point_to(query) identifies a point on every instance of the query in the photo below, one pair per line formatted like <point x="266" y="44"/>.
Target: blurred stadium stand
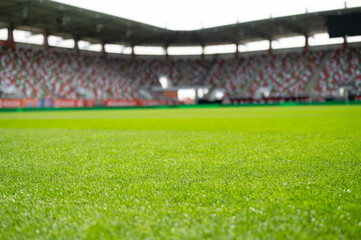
<point x="38" y="72"/>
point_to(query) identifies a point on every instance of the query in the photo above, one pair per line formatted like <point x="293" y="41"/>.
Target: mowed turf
<point x="220" y="173"/>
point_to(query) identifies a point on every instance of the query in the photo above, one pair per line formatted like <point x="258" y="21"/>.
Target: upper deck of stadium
<point x="69" y="22"/>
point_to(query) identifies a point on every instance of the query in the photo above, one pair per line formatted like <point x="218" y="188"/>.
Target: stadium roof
<point x="73" y="22"/>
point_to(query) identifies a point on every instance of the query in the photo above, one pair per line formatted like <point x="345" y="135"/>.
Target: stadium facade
<point x="44" y="76"/>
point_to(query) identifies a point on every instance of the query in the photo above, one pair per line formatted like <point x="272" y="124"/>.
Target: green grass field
<point x="217" y="173"/>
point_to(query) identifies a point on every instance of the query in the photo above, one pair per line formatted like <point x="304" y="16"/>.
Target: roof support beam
<point x="202" y="54"/>
<point x="236" y="52"/>
<point x="305" y="49"/>
<point x="11" y="37"/>
<point x="46" y="42"/>
<point x="76" y="45"/>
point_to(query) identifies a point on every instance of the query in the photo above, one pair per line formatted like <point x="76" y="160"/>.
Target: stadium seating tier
<point x="62" y="73"/>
